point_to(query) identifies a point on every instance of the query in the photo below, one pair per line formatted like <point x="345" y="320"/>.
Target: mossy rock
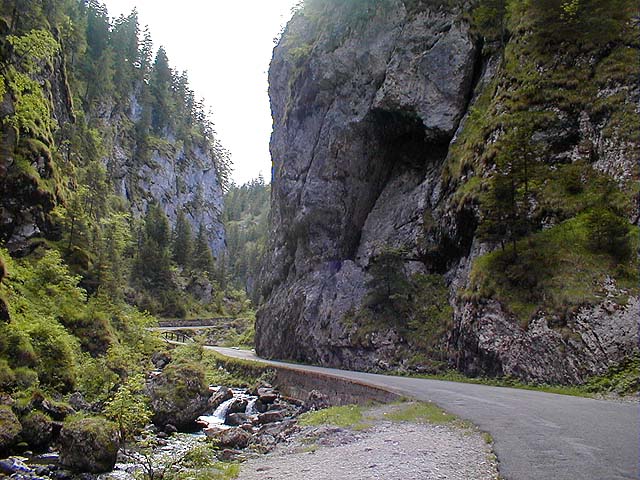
<point x="179" y="395"/>
<point x="38" y="430"/>
<point x="10" y="429"/>
<point x="89" y="445"/>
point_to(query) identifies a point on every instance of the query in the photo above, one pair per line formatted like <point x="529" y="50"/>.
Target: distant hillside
<point x="246" y="221"/>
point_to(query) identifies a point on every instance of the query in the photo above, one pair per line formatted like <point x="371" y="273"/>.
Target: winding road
<point x="538" y="436"/>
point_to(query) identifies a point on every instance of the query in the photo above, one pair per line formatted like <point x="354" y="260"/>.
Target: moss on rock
<point x="89" y="445"/>
<point x="10" y="428"/>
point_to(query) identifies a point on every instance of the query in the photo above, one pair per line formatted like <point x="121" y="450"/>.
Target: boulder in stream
<point x="218" y="398"/>
<point x="38" y="429"/>
<point x="233" y="438"/>
<point x="237" y="419"/>
<point x="270" y="417"/>
<point x="10" y="427"/>
<point x="178" y="395"/>
<point x="89" y="445"/>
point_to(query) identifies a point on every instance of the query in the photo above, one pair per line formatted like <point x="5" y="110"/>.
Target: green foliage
<point x="562" y="60"/>
<point x="556" y="270"/>
<point x="129" y="408"/>
<point x="33" y="48"/>
<point x="182" y="240"/>
<point x="345" y="416"/>
<point x="153" y="263"/>
<point x="95" y="379"/>
<point x="621" y="379"/>
<point x="32" y="113"/>
<point x="489" y="18"/>
<point x="417" y="307"/>
<point x="609" y="233"/>
<point x="246" y="220"/>
<point x="202" y="256"/>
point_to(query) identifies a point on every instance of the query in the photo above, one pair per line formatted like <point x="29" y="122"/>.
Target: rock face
<point x="365" y="114"/>
<point x="175" y="176"/>
<point x="25" y="202"/>
<point x="89" y="445"/>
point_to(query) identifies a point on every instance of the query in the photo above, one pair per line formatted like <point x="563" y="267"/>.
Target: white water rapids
<point x="219" y="416"/>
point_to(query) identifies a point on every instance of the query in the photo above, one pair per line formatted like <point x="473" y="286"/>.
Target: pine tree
<point x="153" y="263"/>
<point x="161" y="97"/>
<point x="203" y="258"/>
<point x="389" y="290"/>
<point x="182" y="241"/>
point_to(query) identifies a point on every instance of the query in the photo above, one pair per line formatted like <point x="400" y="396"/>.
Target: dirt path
<point x="385" y="449"/>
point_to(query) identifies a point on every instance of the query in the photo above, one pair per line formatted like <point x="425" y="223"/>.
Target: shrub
<point x="608" y="233"/>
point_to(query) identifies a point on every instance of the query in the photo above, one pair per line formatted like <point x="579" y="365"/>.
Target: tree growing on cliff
<point x="389" y="291"/>
<point x="202" y="256"/>
<point x="507" y="203"/>
<point x="182" y="240"/>
<point x="153" y="261"/>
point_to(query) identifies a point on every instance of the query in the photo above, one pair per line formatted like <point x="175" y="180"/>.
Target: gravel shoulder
<point x="379" y="449"/>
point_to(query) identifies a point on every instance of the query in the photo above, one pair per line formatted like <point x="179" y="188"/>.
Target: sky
<point x="226" y="47"/>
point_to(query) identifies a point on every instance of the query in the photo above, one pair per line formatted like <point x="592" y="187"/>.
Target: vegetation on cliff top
<point x="548" y="212"/>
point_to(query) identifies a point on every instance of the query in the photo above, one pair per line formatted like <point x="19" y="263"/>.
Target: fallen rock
<point x="214" y="431"/>
<point x="10" y="428"/>
<point x="280" y="429"/>
<point x="12" y="466"/>
<point x="56" y="410"/>
<point x="222" y="395"/>
<point x="78" y="403"/>
<point x="237" y="419"/>
<point x="170" y="429"/>
<point x="267" y="395"/>
<point x="270" y="417"/>
<point x="229" y="454"/>
<point x="317" y="400"/>
<point x="89" y="445"/>
<point x="234" y="438"/>
<point x="160" y="360"/>
<point x="238" y="406"/>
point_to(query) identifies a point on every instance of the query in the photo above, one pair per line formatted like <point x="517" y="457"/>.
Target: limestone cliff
<point x="175" y="175"/>
<point x="389" y="120"/>
<point x="39" y="159"/>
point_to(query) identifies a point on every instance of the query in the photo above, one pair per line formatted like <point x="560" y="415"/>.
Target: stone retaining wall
<point x="339" y="391"/>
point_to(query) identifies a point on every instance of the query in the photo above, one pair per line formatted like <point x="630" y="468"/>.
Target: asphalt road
<point x="538" y="436"/>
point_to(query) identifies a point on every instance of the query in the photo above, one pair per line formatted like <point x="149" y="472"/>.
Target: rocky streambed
<point x="237" y="424"/>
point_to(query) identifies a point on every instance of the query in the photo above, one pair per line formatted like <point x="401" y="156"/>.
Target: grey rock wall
<point x="177" y="177"/>
<point x="364" y="116"/>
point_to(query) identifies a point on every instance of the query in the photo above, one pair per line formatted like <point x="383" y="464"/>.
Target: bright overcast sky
<point x="226" y="46"/>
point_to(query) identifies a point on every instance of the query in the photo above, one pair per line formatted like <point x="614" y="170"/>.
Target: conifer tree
<point x="160" y="85"/>
<point x="203" y="258"/>
<point x="153" y="263"/>
<point x="182" y="240"/>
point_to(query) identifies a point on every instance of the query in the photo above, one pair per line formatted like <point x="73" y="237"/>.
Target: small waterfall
<point x="219" y="415"/>
<point x="251" y="407"/>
